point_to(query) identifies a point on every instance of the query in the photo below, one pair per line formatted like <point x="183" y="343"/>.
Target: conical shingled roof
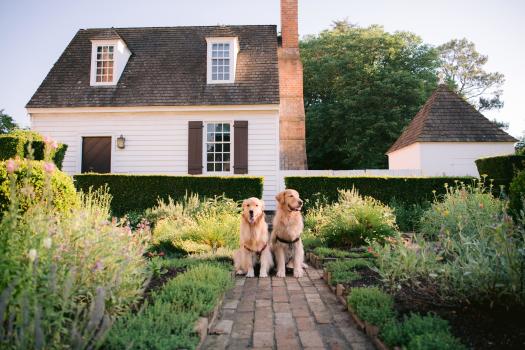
<point x="446" y="117"/>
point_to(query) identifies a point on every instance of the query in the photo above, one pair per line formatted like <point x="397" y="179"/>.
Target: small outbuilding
<point x="446" y="136"/>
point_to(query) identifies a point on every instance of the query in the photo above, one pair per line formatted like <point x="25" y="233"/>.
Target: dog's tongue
<point x="252" y="220"/>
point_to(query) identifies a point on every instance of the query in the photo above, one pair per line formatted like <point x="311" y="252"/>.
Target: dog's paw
<point x="250" y="274"/>
<point x="239" y="272"/>
<point x="263" y="275"/>
<point x="298" y="273"/>
<point x="281" y="274"/>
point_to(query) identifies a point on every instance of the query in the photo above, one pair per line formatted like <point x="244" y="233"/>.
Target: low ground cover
<point x="167" y="320"/>
<point x="376" y="307"/>
<point x="349" y="272"/>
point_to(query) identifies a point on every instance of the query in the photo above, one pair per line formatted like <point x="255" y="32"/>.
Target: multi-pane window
<point x="220" y="61"/>
<point x="105" y="63"/>
<point x="218" y="147"/>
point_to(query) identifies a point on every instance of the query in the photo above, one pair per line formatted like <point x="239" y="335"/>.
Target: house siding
<point x="157" y="142"/>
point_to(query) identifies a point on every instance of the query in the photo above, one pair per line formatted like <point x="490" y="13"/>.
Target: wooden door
<point x="96" y="154"/>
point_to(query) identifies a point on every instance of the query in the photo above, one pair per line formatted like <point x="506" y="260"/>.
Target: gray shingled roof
<point x="167" y="68"/>
<point x="446" y="117"/>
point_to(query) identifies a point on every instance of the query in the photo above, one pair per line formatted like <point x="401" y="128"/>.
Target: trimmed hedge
<point x="410" y="190"/>
<point x="501" y="169"/>
<point x="517" y="193"/>
<point x="140" y="192"/>
<point x="15" y="145"/>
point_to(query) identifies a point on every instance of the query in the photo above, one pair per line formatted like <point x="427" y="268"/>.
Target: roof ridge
<point x="168" y="27"/>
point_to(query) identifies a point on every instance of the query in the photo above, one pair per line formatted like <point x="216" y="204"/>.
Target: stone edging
<point x="371" y="330"/>
<point x="203" y="325"/>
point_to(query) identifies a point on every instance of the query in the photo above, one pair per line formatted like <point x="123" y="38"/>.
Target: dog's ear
<point x="262" y="205"/>
<point x="280" y="197"/>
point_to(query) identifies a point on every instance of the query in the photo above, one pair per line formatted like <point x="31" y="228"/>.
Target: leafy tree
<point x="520" y="146"/>
<point x="500" y="124"/>
<point x="362" y="86"/>
<point x="7" y="123"/>
<point x="463" y="69"/>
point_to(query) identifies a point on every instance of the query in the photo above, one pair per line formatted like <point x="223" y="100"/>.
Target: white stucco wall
<point x="157" y="139"/>
<point x="448" y="158"/>
<point x="405" y="158"/>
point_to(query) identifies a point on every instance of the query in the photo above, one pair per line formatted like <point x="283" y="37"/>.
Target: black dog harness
<point x="255" y="251"/>
<point x="290" y="243"/>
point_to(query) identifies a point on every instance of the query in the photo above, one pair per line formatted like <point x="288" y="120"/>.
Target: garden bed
<point x="476" y="327"/>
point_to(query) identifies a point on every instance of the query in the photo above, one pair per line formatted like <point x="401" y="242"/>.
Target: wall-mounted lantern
<point x="121" y="142"/>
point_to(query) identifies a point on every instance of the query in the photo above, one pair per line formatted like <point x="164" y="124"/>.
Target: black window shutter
<point x="240" y="147"/>
<point x="195" y="147"/>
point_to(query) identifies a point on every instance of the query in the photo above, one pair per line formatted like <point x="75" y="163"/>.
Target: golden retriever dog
<point x="286" y="235"/>
<point x="254" y="240"/>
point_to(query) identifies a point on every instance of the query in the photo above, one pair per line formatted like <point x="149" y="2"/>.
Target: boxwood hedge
<point x="13" y="145"/>
<point x="501" y="169"/>
<point x="408" y="190"/>
<point x="136" y="193"/>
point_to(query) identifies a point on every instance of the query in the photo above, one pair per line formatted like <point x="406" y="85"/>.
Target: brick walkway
<point x="284" y="313"/>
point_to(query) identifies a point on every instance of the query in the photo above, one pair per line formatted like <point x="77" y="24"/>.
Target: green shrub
<point x="352" y="221"/>
<point x="472" y="252"/>
<point x="344" y="271"/>
<point x="411" y="190"/>
<point x="30" y="144"/>
<point x="400" y="334"/>
<point x="408" y="215"/>
<point x="168" y="323"/>
<point x="64" y="278"/>
<point x="140" y="192"/>
<point x="194" y="225"/>
<point x="501" y="169"/>
<point x="325" y="252"/>
<point x="417" y="264"/>
<point x="33" y="174"/>
<point x="435" y="341"/>
<point x="465" y="209"/>
<point x="517" y="193"/>
<point x="372" y="305"/>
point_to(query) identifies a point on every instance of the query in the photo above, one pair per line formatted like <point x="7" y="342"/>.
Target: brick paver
<point x="284" y="313"/>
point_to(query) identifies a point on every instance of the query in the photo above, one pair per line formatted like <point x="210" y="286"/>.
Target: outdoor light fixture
<point x="121" y="142"/>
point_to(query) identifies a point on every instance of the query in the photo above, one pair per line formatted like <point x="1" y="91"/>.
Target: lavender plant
<point x="65" y="272"/>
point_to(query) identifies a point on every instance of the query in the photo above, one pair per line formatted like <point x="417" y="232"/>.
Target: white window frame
<point x="234" y="49"/>
<point x="94" y="45"/>
<point x="205" y="150"/>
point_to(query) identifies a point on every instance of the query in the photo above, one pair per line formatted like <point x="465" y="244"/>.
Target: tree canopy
<point x="463" y="69"/>
<point x="7" y="123"/>
<point x="362" y="86"/>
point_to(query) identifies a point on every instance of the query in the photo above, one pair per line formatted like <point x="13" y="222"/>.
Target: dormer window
<point x="108" y="60"/>
<point x="105" y="64"/>
<point x="222" y="57"/>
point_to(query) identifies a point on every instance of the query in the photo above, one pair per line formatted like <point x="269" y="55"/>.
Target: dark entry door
<point x="96" y="154"/>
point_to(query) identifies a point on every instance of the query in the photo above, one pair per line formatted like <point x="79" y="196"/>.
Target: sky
<point x="34" y="33"/>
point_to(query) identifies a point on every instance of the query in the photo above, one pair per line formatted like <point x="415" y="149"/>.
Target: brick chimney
<point x="292" y="116"/>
